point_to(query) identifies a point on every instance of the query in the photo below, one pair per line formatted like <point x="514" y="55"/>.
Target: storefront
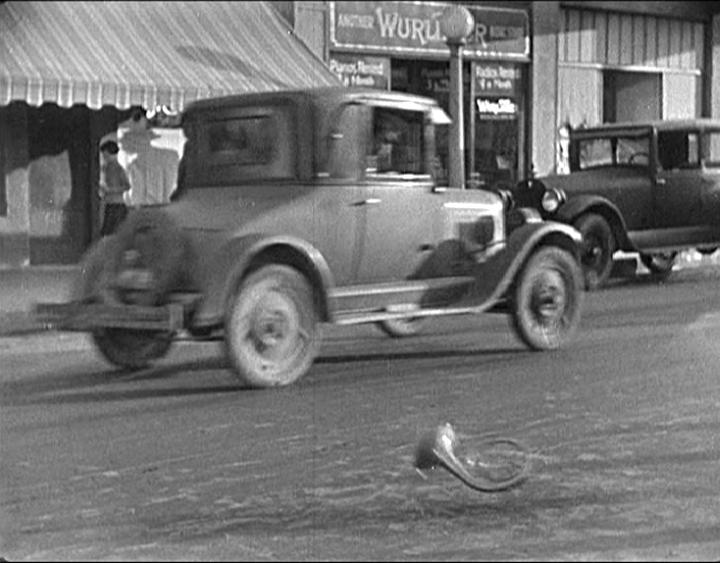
<point x="615" y="66"/>
<point x="72" y="73"/>
<point x="398" y="45"/>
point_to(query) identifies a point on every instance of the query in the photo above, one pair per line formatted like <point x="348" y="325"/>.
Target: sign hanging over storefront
<point x="359" y="70"/>
<point x="497" y="79"/>
<point x="414" y="28"/>
<point x="496" y="108"/>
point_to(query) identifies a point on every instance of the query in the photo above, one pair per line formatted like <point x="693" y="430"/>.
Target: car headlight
<point x="551" y="200"/>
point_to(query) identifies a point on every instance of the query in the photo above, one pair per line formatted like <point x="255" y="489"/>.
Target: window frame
<point x="707" y="161"/>
<point x="281" y="166"/>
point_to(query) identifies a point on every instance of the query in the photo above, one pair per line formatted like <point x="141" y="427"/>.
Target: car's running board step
<point x="376" y="316"/>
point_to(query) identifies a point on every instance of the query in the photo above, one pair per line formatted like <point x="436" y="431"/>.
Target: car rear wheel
<point x="546" y="299"/>
<point x="271" y="330"/>
<point x="660" y="264"/>
<point x="126" y="348"/>
<point x="597" y="249"/>
<point x="131" y="349"/>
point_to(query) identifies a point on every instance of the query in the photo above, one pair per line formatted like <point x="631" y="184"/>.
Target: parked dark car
<point x="303" y="207"/>
<point x="651" y="188"/>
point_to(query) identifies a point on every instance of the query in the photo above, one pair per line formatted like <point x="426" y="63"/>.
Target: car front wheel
<point x="271" y="330"/>
<point x="546" y="299"/>
<point x="597" y="249"/>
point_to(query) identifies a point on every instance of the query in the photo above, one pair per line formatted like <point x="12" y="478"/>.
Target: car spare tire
<point x="150" y="243"/>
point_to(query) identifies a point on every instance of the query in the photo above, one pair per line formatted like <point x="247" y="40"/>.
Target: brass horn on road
<point x="498" y="465"/>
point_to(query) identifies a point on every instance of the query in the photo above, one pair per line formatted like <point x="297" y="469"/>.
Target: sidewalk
<point x="21" y="288"/>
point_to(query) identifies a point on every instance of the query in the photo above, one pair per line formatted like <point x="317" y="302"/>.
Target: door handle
<point x="372" y="201"/>
<point x="660" y="181"/>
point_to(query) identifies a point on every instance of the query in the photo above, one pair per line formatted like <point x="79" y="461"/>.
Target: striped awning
<point x="124" y="54"/>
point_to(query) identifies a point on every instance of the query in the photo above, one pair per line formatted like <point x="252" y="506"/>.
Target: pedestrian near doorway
<point x="114" y="184"/>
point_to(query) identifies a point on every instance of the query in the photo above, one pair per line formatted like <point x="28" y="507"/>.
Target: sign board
<point x="359" y="70"/>
<point x="414" y="28"/>
<point x="497" y="79"/>
<point x="496" y="108"/>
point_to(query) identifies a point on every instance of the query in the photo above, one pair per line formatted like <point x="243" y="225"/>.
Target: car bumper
<point x="80" y="316"/>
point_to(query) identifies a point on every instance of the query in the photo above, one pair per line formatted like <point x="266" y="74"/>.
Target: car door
<point x="678" y="183"/>
<point x="401" y="202"/>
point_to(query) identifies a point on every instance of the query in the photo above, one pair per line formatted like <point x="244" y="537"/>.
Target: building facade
<point x="530" y="68"/>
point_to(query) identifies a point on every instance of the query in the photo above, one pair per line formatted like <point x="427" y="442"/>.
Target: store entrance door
<point x="496" y="153"/>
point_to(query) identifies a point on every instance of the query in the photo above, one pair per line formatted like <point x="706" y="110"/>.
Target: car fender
<point x="494" y="277"/>
<point x="239" y="255"/>
<point x="578" y="205"/>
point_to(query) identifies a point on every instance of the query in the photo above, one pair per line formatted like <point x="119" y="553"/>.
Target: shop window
<point x="713" y="150"/>
<point x="678" y="150"/>
<point x="631" y="96"/>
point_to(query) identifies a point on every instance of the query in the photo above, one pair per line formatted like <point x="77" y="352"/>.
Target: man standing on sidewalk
<point x="114" y="184"/>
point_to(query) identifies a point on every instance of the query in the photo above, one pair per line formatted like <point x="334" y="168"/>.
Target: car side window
<point x="612" y="151"/>
<point x="594" y="152"/>
<point x="712" y="158"/>
<point x="678" y="150"/>
<point x="633" y="151"/>
<point x="397" y="143"/>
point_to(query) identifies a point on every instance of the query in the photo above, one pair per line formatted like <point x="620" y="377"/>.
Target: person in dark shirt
<point x="114" y="185"/>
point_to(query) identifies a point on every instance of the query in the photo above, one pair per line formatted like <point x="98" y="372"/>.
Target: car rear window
<point x="244" y="140"/>
<point x="244" y="144"/>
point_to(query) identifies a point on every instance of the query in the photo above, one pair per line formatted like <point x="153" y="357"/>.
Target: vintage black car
<point x="320" y="206"/>
<point x="651" y="188"/>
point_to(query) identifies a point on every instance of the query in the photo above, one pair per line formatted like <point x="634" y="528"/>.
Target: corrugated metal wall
<point x="614" y="39"/>
<point x="592" y="42"/>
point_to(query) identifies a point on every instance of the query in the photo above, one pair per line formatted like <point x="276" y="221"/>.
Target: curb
<point x="20" y="323"/>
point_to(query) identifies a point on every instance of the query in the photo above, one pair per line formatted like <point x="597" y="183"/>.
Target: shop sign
<point x="497" y="79"/>
<point x="496" y="108"/>
<point x="414" y="27"/>
<point x="354" y="70"/>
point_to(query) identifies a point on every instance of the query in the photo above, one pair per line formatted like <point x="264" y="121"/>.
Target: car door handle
<point x="660" y="181"/>
<point x="372" y="201"/>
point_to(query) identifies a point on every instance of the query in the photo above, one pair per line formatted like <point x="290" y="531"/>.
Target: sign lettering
<point x="497" y="79"/>
<point x="415" y="28"/>
<point x="353" y="70"/>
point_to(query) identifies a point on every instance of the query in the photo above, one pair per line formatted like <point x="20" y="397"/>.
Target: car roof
<point x="328" y="95"/>
<point x="660" y="125"/>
